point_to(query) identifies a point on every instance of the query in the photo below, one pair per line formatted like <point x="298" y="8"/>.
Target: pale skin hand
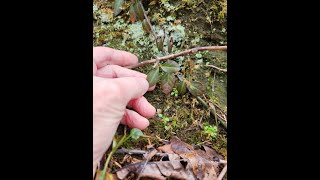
<point x="115" y="89"/>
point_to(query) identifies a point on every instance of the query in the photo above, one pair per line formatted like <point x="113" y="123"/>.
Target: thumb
<point x="131" y="87"/>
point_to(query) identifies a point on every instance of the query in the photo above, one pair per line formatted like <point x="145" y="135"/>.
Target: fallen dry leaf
<point x="204" y="155"/>
<point x="211" y="152"/>
<point x="148" y="157"/>
<point x="179" y="147"/>
<point x="159" y="170"/>
<point x="181" y="162"/>
<point x="150" y="154"/>
<point x="150" y="170"/>
<point x="173" y="157"/>
<point x="207" y="157"/>
<point x="166" y="148"/>
<point x="202" y="167"/>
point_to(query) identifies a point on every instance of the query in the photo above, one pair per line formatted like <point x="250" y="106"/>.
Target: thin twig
<point x="183" y="53"/>
<point x="223" y="70"/>
<point x="214" y="78"/>
<point x="148" y="158"/>
<point x="215" y="112"/>
<point x="142" y="152"/>
<point x="224" y="124"/>
<point x="223" y="172"/>
<point x="148" y="21"/>
<point x="222" y="118"/>
<point x="222" y="161"/>
<point x="136" y="151"/>
<point x="219" y="108"/>
<point x="157" y="62"/>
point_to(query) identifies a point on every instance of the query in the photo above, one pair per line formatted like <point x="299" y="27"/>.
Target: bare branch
<point x="223" y="172"/>
<point x="136" y="151"/>
<point x="224" y="124"/>
<point x="183" y="53"/>
<point x="222" y="161"/>
<point x="148" y="21"/>
<point x="223" y="70"/>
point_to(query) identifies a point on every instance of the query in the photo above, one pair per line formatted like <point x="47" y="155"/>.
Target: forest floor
<point x="191" y="23"/>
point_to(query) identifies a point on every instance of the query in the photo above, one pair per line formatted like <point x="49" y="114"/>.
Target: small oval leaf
<point x="139" y="10"/>
<point x="195" y="88"/>
<point x="132" y="13"/>
<point x="167" y="82"/>
<point x="135" y="133"/>
<point x="170" y="44"/>
<point x="170" y="66"/>
<point x="146" y="26"/>
<point x="182" y="87"/>
<point x="159" y="42"/>
<point x="153" y="77"/>
<point x="117" y="7"/>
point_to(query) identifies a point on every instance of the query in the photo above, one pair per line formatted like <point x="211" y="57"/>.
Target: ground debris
<point x="182" y="162"/>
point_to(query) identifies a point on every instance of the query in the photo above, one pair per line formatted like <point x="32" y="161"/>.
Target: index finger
<point x="103" y="56"/>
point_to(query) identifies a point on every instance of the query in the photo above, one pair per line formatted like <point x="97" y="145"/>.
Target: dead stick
<point x="223" y="70"/>
<point x="221" y="118"/>
<point x="224" y="124"/>
<point x="183" y="53"/>
<point x="222" y="161"/>
<point x="142" y="152"/>
<point x="148" y="21"/>
<point x="136" y="151"/>
<point x="223" y="172"/>
<point x="216" y="105"/>
<point x="148" y="158"/>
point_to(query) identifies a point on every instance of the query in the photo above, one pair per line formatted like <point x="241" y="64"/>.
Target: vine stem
<point x="183" y="53"/>
<point x="103" y="174"/>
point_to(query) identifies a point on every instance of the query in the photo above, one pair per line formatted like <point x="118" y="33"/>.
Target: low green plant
<point x="165" y="121"/>
<point x="211" y="130"/>
<point x="174" y="92"/>
<point x="134" y="134"/>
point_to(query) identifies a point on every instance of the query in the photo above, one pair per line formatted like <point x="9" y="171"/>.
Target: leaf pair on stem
<point x="168" y="79"/>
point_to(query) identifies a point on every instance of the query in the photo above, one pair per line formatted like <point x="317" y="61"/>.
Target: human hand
<point x="114" y="89"/>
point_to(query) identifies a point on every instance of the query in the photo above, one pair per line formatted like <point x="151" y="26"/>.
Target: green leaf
<point x="146" y="26"/>
<point x="135" y="133"/>
<point x="167" y="82"/>
<point x="153" y="77"/>
<point x="182" y="87"/>
<point x="114" y="143"/>
<point x="132" y="13"/>
<point x="170" y="66"/>
<point x="117" y="7"/>
<point x="139" y="10"/>
<point x="159" y="42"/>
<point x="195" y="88"/>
